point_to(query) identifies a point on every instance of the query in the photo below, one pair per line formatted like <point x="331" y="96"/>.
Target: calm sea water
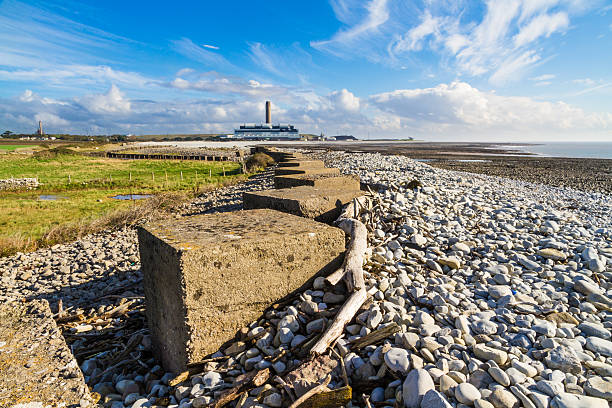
<point x="590" y="150"/>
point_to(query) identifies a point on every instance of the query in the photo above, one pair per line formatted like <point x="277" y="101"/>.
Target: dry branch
<point x="250" y="380"/>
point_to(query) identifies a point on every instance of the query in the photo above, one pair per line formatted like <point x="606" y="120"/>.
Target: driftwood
<point x="346" y="314"/>
<point x="335" y="398"/>
<point x="352" y="271"/>
<point x="313" y="391"/>
<point x="375" y="336"/>
<point x="250" y="380"/>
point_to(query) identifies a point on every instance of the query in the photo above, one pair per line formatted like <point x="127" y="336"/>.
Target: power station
<point x="266" y="131"/>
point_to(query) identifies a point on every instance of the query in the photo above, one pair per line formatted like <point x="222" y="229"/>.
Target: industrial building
<point x="267" y="130"/>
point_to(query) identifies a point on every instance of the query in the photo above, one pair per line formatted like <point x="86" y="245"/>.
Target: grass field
<point x="85" y="186"/>
<point x="12" y="148"/>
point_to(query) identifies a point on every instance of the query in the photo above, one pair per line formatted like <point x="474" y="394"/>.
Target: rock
<point x="500" y="376"/>
<point x="433" y="399"/>
<point x="550" y="388"/>
<point x="564" y="359"/>
<point x="601" y="346"/>
<point x="500" y="398"/>
<point x="498" y="291"/>
<point x="551" y="253"/>
<point x="490" y="353"/>
<point x="515" y="376"/>
<point x="273" y="400"/>
<point x="397" y="360"/>
<point x="600" y="368"/>
<point x="595" y="329"/>
<point x="481" y="403"/>
<point x="417" y="384"/>
<point x="451" y="262"/>
<point x="586" y="288"/>
<point x="466" y="393"/>
<point x="528" y="370"/>
<point x="212" y="379"/>
<point x="562" y="317"/>
<point x="600" y="387"/>
<point x="566" y="400"/>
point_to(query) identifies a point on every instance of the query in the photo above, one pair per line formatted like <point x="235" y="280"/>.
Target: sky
<point x="438" y="70"/>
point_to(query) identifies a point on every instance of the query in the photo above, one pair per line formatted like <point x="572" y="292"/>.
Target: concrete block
<point x="208" y="276"/>
<point x="302" y="164"/>
<point x="36" y="365"/>
<point x="323" y="181"/>
<point x="280" y="171"/>
<point x="306" y="201"/>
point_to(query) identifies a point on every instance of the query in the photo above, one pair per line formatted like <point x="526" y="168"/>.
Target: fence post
<point x="181" y="175"/>
<point x="223" y="167"/>
<point x="69" y="179"/>
<point x="153" y="176"/>
<point x="130" y="176"/>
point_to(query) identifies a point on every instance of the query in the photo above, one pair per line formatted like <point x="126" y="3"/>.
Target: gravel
<point x="500" y="288"/>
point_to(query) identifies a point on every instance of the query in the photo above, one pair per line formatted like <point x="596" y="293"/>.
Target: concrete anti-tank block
<point x="302" y="164"/>
<point x="208" y="276"/>
<point x="306" y="201"/>
<point x="323" y="181"/>
<point x="36" y="364"/>
<point x="281" y="171"/>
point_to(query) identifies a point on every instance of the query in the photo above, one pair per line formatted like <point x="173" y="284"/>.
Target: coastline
<point x="587" y="174"/>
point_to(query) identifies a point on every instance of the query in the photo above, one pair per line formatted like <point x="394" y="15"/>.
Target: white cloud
<point x="503" y="43"/>
<point x="513" y="67"/>
<point x="585" y="81"/>
<point x="544" y="77"/>
<point x="50" y="119"/>
<point x="543" y="25"/>
<point x="214" y="83"/>
<point x="212" y="47"/>
<point x="376" y="14"/>
<point x="459" y="107"/>
<point x="455" y="111"/>
<point x="113" y="102"/>
<point x="185" y="71"/>
<point x="345" y="100"/>
<point x="413" y="40"/>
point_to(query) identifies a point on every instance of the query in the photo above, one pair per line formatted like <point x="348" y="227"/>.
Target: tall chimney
<point x="40" y="130"/>
<point x="268" y="112"/>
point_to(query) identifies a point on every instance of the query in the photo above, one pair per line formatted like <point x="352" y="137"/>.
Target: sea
<point x="588" y="150"/>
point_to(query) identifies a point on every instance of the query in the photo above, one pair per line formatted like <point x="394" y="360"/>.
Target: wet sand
<point x="494" y="160"/>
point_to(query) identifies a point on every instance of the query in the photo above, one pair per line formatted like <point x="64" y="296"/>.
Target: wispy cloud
<point x="544" y="77"/>
<point x="374" y="14"/>
<point x="499" y="40"/>
<point x="203" y="55"/>
<point x="46" y="38"/>
<point x="212" y="47"/>
<point x="287" y="62"/>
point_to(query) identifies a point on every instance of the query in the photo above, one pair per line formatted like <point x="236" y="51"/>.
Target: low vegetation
<point x="75" y="196"/>
<point x="258" y="162"/>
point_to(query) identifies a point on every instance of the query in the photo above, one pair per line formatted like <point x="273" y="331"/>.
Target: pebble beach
<point x="501" y="291"/>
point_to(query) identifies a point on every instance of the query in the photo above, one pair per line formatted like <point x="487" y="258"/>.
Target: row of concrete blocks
<point x="208" y="276"/>
<point x="142" y="156"/>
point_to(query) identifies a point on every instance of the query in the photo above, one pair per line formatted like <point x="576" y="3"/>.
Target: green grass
<point x="12" y="148"/>
<point x="88" y="183"/>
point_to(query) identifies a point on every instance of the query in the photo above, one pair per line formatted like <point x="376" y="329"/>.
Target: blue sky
<point x="506" y="70"/>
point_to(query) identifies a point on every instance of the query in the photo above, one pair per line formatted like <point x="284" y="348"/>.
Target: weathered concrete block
<point x="302" y="164"/>
<point x="207" y="276"/>
<point x="323" y="181"/>
<point x="306" y="201"/>
<point x="281" y="171"/>
<point x="36" y="365"/>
